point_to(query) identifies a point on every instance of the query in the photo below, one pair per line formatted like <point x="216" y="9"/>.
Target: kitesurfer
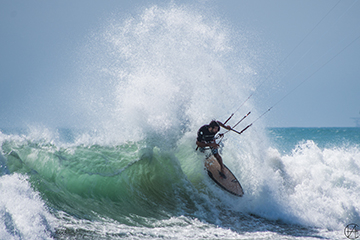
<point x="206" y="138"/>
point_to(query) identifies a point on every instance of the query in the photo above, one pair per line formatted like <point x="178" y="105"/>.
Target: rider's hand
<point x="214" y="145"/>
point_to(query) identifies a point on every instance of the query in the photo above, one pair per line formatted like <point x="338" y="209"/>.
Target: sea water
<point x="305" y="184"/>
<point x="147" y="83"/>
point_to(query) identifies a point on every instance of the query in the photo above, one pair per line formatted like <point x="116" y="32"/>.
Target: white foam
<point x="311" y="186"/>
<point x="23" y="214"/>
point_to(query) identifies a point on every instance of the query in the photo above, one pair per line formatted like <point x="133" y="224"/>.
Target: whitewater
<point x="145" y="85"/>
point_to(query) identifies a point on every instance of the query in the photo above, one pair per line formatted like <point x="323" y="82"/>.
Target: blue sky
<point x="40" y="38"/>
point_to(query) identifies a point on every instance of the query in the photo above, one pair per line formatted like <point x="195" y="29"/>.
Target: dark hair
<point x="214" y="123"/>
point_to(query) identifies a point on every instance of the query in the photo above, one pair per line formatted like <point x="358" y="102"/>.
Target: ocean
<point x="304" y="185"/>
<point x="124" y="165"/>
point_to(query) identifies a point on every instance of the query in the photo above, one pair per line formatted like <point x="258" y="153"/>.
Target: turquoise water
<point x="285" y="139"/>
<point x="70" y="190"/>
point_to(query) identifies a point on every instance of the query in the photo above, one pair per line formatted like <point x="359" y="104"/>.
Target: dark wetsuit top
<point x="204" y="135"/>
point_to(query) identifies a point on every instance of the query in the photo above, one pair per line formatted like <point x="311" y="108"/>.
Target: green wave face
<point x="128" y="183"/>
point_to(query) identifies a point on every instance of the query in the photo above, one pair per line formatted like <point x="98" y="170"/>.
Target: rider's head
<point x="214" y="125"/>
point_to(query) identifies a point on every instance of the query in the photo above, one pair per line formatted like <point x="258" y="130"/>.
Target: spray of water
<point x="168" y="70"/>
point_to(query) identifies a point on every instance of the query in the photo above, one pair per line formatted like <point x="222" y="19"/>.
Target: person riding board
<point x="206" y="138"/>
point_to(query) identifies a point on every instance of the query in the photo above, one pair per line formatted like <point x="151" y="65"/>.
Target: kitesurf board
<point x="230" y="183"/>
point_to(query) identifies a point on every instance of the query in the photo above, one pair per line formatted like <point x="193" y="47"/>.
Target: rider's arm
<point x="224" y="126"/>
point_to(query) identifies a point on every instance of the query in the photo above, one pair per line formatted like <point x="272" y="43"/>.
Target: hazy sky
<point x="38" y="40"/>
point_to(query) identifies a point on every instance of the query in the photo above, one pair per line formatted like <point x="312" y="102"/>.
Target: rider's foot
<point x="222" y="175"/>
